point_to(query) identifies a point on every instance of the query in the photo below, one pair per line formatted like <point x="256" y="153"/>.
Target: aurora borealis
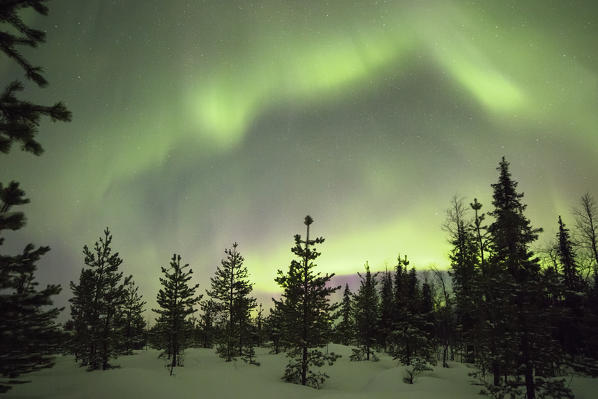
<point x="200" y="123"/>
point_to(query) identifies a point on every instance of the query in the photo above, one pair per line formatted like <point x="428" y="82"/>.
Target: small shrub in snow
<point x="418" y="365"/>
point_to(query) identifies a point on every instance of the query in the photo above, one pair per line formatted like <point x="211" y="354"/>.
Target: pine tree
<point x="386" y="309"/>
<point x="19" y="120"/>
<point x="96" y="304"/>
<point x="345" y="330"/>
<point x="28" y="332"/>
<point x="307" y="313"/>
<point x="176" y="299"/>
<point x="231" y="291"/>
<point x="27" y="328"/>
<point x="366" y="316"/>
<point x="529" y="354"/>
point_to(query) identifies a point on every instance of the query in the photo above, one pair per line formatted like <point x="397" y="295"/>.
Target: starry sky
<point x="200" y="123"/>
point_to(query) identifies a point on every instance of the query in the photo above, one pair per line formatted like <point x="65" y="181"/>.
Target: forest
<point x="522" y="316"/>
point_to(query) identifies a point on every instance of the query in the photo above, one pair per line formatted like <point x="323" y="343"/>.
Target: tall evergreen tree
<point x="465" y="270"/>
<point x="307" y="313"/>
<point x="529" y="354"/>
<point x="386" y="309"/>
<point x="176" y="300"/>
<point x="568" y="260"/>
<point x="27" y="328"/>
<point x="345" y="330"/>
<point x="399" y="290"/>
<point x="366" y="316"/>
<point x="231" y="290"/>
<point x="96" y="304"/>
<point x="572" y="316"/>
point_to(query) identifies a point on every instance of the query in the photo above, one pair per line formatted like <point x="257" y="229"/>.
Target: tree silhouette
<point x="28" y="333"/>
<point x="307" y="313"/>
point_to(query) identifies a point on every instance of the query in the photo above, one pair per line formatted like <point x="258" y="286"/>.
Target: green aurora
<point x="197" y="124"/>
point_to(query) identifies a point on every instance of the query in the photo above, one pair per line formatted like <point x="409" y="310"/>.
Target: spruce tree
<point x="176" y="300"/>
<point x="307" y="313"/>
<point x="466" y="244"/>
<point x="345" y="330"/>
<point x="412" y="337"/>
<point x="231" y="290"/>
<point x="366" y="316"/>
<point x="386" y="309"/>
<point x="27" y="328"/>
<point x="96" y="303"/>
<point x="529" y="356"/>
<point x="446" y="323"/>
<point x="399" y="291"/>
<point x="572" y="313"/>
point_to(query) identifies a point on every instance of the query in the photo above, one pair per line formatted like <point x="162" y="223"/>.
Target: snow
<point x="205" y="375"/>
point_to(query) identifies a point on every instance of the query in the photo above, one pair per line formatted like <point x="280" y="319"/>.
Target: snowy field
<point x="205" y="375"/>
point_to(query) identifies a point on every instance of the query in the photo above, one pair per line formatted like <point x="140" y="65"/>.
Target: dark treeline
<point x="524" y="320"/>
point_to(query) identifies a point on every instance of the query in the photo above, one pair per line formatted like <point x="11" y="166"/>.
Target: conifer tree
<point x="275" y="328"/>
<point x="81" y="316"/>
<point x="446" y="325"/>
<point x="366" y="316"/>
<point x="307" y="313"/>
<point x="27" y="328"/>
<point x="345" y="330"/>
<point x="572" y="315"/>
<point x="399" y="291"/>
<point x="176" y="300"/>
<point x="568" y="259"/>
<point x="465" y="270"/>
<point x="207" y="322"/>
<point x="231" y="290"/>
<point x="529" y="355"/>
<point x="413" y="340"/>
<point x="96" y="304"/>
<point x="130" y="319"/>
<point x="386" y="309"/>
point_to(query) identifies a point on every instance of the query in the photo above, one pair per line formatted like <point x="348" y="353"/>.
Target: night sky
<point x="200" y="123"/>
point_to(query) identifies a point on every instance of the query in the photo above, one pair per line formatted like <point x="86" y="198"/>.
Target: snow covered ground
<point x="205" y="375"/>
